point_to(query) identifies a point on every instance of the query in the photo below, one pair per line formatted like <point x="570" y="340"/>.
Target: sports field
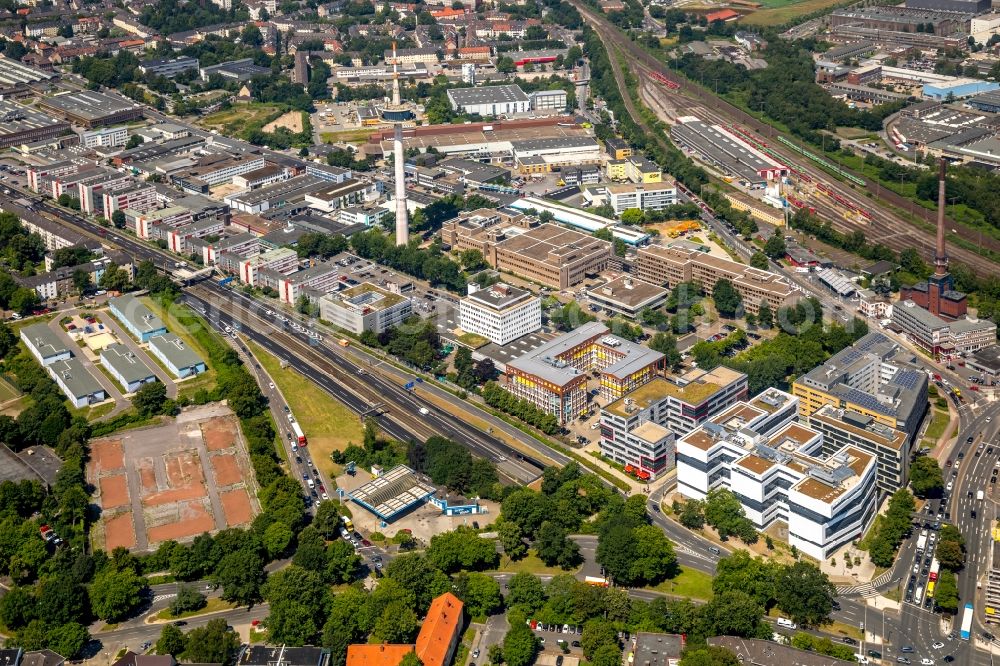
<point x="777" y="12"/>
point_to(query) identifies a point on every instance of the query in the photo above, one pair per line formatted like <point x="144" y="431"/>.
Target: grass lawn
<point x="213" y="605"/>
<point x="689" y="583"/>
<point x="346" y="136"/>
<point x="865" y="541"/>
<point x="472" y="340"/>
<point x="8" y="391"/>
<point x="530" y="564"/>
<point x="782" y="11"/>
<point x="329" y="425"/>
<point x="94" y="413"/>
<point x="939" y="421"/>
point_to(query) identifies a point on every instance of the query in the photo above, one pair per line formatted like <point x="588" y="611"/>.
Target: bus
<point x="967" y="623"/>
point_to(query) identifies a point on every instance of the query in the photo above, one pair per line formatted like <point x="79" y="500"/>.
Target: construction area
<point x="172" y="481"/>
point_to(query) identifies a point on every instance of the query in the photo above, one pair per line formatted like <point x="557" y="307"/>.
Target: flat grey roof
<point x="44" y="339"/>
<point x="487" y="95"/>
<point x="15" y="118"/>
<point x="499" y="296"/>
<point x="300" y="185"/>
<point x="13" y="72"/>
<point x="553" y="143"/>
<point x="75" y="377"/>
<point x="179" y="354"/>
<point x="734" y="156"/>
<point x="88" y="104"/>
<point x="136" y="313"/>
<point x="124" y="362"/>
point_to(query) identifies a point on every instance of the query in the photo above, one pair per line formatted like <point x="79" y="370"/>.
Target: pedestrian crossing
<point x="869" y="589"/>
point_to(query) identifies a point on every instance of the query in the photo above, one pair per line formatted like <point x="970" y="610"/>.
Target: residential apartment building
<point x="553" y="376"/>
<point x="91" y="193"/>
<point x="178" y="238"/>
<point x="891" y="447"/>
<point x="179" y="359"/>
<point x="76" y="383"/>
<point x="779" y="472"/>
<point x="44" y="344"/>
<point x="281" y="260"/>
<point x="55" y="236"/>
<point x="139" y="197"/>
<point x="670" y="266"/>
<point x="874" y="377"/>
<point x="639" y="429"/>
<point x="500" y="313"/>
<point x="144" y="222"/>
<point x="136" y="317"/>
<point x="128" y="369"/>
<point x="321" y="278"/>
<point x="365" y="307"/>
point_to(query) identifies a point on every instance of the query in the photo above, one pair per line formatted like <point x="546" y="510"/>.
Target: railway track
<point x="688" y="99"/>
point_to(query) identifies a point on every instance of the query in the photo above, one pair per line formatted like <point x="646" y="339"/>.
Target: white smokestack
<point x="402" y="219"/>
<point x="395" y="77"/>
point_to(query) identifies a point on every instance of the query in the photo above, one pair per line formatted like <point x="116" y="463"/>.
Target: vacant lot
<point x="328" y="424"/>
<point x="292" y="121"/>
<point x="172" y="481"/>
<point x="782" y="11"/>
<point x="239" y="118"/>
<point x="7" y="391"/>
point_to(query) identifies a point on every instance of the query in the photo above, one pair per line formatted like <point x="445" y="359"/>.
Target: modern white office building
<point x="365" y="308"/>
<point x="500" y="313"/>
<point x="778" y="471"/>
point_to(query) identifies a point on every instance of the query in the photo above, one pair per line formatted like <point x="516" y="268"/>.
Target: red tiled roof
<point x="724" y="15"/>
<point x="376" y="655"/>
<point x="444" y="620"/>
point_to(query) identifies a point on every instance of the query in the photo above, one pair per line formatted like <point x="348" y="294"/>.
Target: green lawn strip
<point x="689" y="583"/>
<point x="213" y="605"/>
<point x="530" y="563"/>
<point x="328" y="424"/>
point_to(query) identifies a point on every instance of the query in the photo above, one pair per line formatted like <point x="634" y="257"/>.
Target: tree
<point x="666" y="344"/>
<point x="150" y="398"/>
<point x="805" y="593"/>
<point x="114" y="278"/>
<point x="240" y="574"/>
<point x="134" y="141"/>
<point x="759" y="260"/>
<point x="633" y="216"/>
<point x="114" y="594"/>
<point x="733" y="613"/>
<point x="188" y="599"/>
<point x="775" y="245"/>
<point x="512" y="540"/>
<point x="480" y="593"/>
<point x="24" y="300"/>
<point x="710" y="655"/>
<point x="17" y="607"/>
<point x="397" y="624"/>
<point x="692" y="515"/>
<point x="554" y="546"/>
<point x="411" y="659"/>
<point x="597" y="632"/>
<point x="926" y="478"/>
<point x="527" y="509"/>
<point x="520" y="645"/>
<point x="171" y="641"/>
<point x="505" y="65"/>
<point x="342" y="563"/>
<point x="765" y="317"/>
<point x="215" y="643"/>
<point x="951" y="548"/>
<point x="68" y="639"/>
<point x="655" y="559"/>
<point x="118" y="219"/>
<point x="461" y="549"/>
<point x="724" y="512"/>
<point x="526" y="592"/>
<point x="327" y="520"/>
<point x="727" y="300"/>
<point x="946" y="592"/>
<point x="276" y="538"/>
<point x="752" y="575"/>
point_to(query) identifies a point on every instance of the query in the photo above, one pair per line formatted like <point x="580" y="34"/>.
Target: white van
<point x="786" y="623"/>
<point x="310" y="483"/>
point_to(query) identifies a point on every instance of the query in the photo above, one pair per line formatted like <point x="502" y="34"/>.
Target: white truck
<point x="922" y="541"/>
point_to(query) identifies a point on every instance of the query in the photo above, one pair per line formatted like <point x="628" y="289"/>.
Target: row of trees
<point x="505" y="401"/>
<point x="891" y="529"/>
<point x="423" y="263"/>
